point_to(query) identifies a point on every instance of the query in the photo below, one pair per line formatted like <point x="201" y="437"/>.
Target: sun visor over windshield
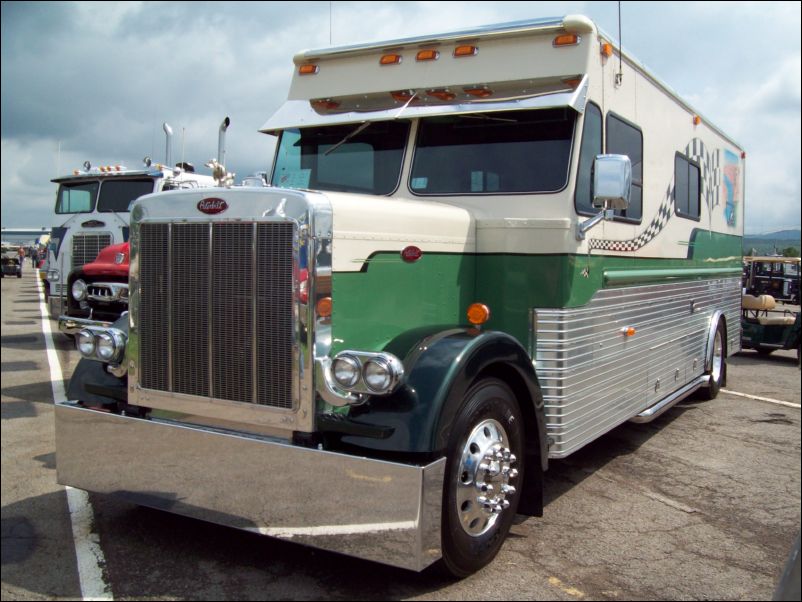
<point x="448" y="100"/>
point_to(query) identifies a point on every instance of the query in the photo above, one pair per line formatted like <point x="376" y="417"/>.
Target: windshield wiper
<point x="347" y="138"/>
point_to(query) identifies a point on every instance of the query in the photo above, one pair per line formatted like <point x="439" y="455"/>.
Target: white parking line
<point x="758" y="398"/>
<point x="87" y="545"/>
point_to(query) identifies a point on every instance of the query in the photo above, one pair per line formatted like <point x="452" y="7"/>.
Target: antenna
<point x="619" y="77"/>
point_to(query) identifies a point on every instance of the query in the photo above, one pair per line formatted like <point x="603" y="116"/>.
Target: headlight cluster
<point x="105" y="345"/>
<point x="372" y="373"/>
<point x="79" y="290"/>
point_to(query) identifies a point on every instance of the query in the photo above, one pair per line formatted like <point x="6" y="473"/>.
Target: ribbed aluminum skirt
<point x="594" y="377"/>
<point x="86" y="247"/>
<point x="216" y="310"/>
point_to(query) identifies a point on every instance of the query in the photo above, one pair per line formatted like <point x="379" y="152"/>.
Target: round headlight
<point x="105" y="347"/>
<point x="378" y="375"/>
<point x="346" y="370"/>
<point x="53" y="275"/>
<point x="86" y="343"/>
<point x="79" y="290"/>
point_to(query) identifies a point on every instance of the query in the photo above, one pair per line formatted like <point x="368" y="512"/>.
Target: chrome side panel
<point x="594" y="377"/>
<point x="380" y="511"/>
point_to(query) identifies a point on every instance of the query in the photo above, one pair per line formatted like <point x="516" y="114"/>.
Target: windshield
<point x="348" y="158"/>
<point x="76" y="198"/>
<point x="493" y="153"/>
<point x="116" y="195"/>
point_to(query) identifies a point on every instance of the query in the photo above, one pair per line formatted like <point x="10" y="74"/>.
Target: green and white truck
<point x="477" y="252"/>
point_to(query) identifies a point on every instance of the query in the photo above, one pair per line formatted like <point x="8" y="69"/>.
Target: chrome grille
<point x="85" y="248"/>
<point x="226" y="292"/>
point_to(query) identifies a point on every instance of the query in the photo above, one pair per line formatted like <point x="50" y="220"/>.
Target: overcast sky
<point x="97" y="79"/>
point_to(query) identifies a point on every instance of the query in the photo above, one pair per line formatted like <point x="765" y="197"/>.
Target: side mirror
<point x="612" y="181"/>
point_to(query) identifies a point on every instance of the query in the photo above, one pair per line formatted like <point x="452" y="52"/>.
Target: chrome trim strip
<point x="594" y="377"/>
<point x="659" y="408"/>
<point x="381" y="511"/>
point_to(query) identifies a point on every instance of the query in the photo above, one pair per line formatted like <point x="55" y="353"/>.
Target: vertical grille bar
<point x="86" y="247"/>
<point x="154" y="293"/>
<point x="232" y="299"/>
<point x="217" y="310"/>
<point x="188" y="302"/>
<point x="274" y="301"/>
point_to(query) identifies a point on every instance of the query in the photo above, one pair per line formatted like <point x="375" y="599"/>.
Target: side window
<point x="625" y="139"/>
<point x="687" y="201"/>
<point x="591" y="146"/>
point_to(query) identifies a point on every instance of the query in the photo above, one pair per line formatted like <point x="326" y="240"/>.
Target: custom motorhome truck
<point x="477" y="252"/>
<point x="95" y="201"/>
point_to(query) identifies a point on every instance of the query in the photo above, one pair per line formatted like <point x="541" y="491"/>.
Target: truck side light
<point x="465" y="50"/>
<point x="427" y="55"/>
<point x="324" y="104"/>
<point x="441" y="94"/>
<point x="628" y="331"/>
<point x="607" y="49"/>
<point x="403" y="95"/>
<point x="479" y="91"/>
<point x="567" y="39"/>
<point x="324" y="307"/>
<point x="478" y="313"/>
<point x="308" y="69"/>
<point x="390" y="59"/>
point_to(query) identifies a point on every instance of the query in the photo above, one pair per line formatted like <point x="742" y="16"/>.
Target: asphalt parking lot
<point x="701" y="504"/>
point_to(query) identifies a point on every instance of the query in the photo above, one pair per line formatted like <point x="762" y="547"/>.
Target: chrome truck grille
<point x="216" y="310"/>
<point x="86" y="247"/>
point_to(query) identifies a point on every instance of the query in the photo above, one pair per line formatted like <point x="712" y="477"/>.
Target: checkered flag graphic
<point x="664" y="213"/>
<point x="710" y="165"/>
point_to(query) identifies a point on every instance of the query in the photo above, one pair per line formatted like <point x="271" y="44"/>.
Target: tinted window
<point x="591" y="146"/>
<point x="626" y="139"/>
<point x="116" y="195"/>
<point x="513" y="151"/>
<point x="76" y="198"/>
<point x="351" y="158"/>
<point x="686" y="188"/>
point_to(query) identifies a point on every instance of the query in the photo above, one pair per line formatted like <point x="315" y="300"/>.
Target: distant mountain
<point x="780" y="235"/>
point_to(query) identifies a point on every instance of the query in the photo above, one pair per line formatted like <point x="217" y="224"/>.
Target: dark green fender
<point x="440" y="369"/>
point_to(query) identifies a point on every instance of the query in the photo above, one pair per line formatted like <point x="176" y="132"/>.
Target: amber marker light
<point x="402" y="95"/>
<point x="479" y="91"/>
<point x="478" y="313"/>
<point x="441" y="94"/>
<point x="427" y="55"/>
<point x="465" y="50"/>
<point x="324" y="104"/>
<point x="628" y="331"/>
<point x="697" y="120"/>
<point x="567" y="39"/>
<point x="324" y="307"/>
<point x="390" y="59"/>
<point x="309" y="69"/>
<point x="607" y="49"/>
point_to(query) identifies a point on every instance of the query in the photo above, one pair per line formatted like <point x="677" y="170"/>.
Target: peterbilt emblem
<point x="212" y="206"/>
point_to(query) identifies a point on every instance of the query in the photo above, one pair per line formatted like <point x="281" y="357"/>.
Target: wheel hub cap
<point x="484" y="477"/>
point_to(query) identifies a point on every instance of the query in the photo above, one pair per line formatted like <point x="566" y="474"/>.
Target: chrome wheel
<point x="717" y="364"/>
<point x="484" y="476"/>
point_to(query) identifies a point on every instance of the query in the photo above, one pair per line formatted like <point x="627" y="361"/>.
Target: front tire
<point x="484" y="473"/>
<point x="718" y="363"/>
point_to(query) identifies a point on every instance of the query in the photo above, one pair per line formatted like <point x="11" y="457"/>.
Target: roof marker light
<point x="465" y="50"/>
<point x="390" y="59"/>
<point x="479" y="91"/>
<point x="324" y="104"/>
<point x="441" y="94"/>
<point x="403" y="95"/>
<point x="573" y="82"/>
<point x="607" y="49"/>
<point x="427" y="55"/>
<point x="567" y="39"/>
<point x="697" y="120"/>
<point x="308" y="69"/>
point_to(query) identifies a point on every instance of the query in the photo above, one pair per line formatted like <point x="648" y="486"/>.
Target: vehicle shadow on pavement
<point x="563" y="475"/>
<point x="753" y="358"/>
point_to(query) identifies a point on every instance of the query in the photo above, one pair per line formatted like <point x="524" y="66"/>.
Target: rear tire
<point x="484" y="476"/>
<point x="718" y="363"/>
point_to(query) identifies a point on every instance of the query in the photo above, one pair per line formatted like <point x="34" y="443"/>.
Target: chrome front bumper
<point x="371" y="509"/>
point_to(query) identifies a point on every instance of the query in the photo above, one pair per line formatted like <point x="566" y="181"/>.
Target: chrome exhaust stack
<point x="168" y="151"/>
